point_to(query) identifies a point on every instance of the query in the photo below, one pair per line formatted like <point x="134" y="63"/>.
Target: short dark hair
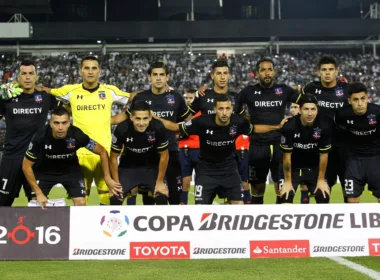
<point x="60" y="111"/>
<point x="27" y="63"/>
<point x="307" y="98"/>
<point x="139" y="105"/>
<point x="158" y="64"/>
<point x="356" y="88"/>
<point x="327" y="60"/>
<point x="219" y="63"/>
<point x="191" y="90"/>
<point x="222" y="98"/>
<point x="90" y="57"/>
<point x="265" y="59"/>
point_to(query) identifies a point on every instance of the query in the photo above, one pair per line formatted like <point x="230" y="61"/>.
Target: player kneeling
<point x="145" y="155"/>
<point x="54" y="151"/>
<point x="305" y="142"/>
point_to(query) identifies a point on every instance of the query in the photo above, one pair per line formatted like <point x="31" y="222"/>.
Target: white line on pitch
<point x="357" y="267"/>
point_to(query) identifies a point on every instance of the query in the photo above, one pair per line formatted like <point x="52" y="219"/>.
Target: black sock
<point x="148" y="200"/>
<point x="184" y="197"/>
<point x="247" y="197"/>
<point x="131" y="200"/>
<point x="161" y="199"/>
<point x="114" y="200"/>
<point x="278" y="199"/>
<point x="257" y="200"/>
<point x="305" y="197"/>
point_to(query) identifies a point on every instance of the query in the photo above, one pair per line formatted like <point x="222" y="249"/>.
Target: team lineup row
<point x="335" y="134"/>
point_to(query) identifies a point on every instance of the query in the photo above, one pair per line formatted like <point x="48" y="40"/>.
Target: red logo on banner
<point x="374" y="247"/>
<point x="159" y="250"/>
<point x="280" y="249"/>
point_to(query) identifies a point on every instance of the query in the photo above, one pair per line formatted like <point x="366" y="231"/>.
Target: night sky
<point x="147" y="10"/>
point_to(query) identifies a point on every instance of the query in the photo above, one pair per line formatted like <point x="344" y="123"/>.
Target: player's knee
<point x="134" y="191"/>
<point x="186" y="183"/>
<point x="114" y="200"/>
<point x="258" y="189"/>
<point x="353" y="199"/>
<point x="236" y="202"/>
<point x="79" y="201"/>
<point x="161" y="199"/>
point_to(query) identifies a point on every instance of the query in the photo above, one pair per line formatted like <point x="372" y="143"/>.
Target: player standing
<point x="53" y="149"/>
<point x="188" y="153"/>
<point x="359" y="122"/>
<point x="220" y="75"/>
<point x="145" y="156"/>
<point x="170" y="106"/>
<point x="266" y="102"/>
<point x="217" y="168"/>
<point x="332" y="95"/>
<point x="91" y="105"/>
<point x="305" y="142"/>
<point x="24" y="115"/>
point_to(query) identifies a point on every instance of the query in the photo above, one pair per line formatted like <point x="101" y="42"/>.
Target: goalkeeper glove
<point x="10" y="90"/>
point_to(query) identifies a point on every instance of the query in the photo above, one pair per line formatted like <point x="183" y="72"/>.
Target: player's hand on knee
<point x="42" y="200"/>
<point x="10" y="90"/>
<point x="323" y="187"/>
<point x="286" y="189"/>
<point x="161" y="188"/>
<point x="114" y="187"/>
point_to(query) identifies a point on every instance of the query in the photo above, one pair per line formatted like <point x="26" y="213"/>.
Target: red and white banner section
<point x="224" y="231"/>
<point x="34" y="234"/>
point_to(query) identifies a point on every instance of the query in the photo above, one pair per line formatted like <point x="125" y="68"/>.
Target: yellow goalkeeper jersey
<point x="91" y="111"/>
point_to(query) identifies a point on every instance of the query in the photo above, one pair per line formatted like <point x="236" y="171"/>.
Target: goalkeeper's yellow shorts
<point x="92" y="171"/>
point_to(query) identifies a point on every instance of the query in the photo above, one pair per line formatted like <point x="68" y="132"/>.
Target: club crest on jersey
<point x="102" y="95"/>
<point x="70" y="143"/>
<point x="233" y="131"/>
<point x="372" y="119"/>
<point x="38" y="98"/>
<point x="170" y="98"/>
<point x="278" y="91"/>
<point x="316" y="133"/>
<point x="339" y="92"/>
<point x="151" y="136"/>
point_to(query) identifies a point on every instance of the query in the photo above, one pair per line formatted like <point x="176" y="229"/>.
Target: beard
<point x="266" y="82"/>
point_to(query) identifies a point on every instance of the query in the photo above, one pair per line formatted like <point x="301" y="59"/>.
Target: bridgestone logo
<point x="210" y="251"/>
<point x="325" y="249"/>
<point x="99" y="252"/>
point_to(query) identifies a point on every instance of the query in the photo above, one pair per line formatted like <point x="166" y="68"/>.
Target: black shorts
<point x="189" y="159"/>
<point x="301" y="176"/>
<point x="12" y="178"/>
<point x="209" y="183"/>
<point x="336" y="165"/>
<point x="360" y="172"/>
<point x="242" y="162"/>
<point x="72" y="182"/>
<point x="261" y="160"/>
<point x="138" y="177"/>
